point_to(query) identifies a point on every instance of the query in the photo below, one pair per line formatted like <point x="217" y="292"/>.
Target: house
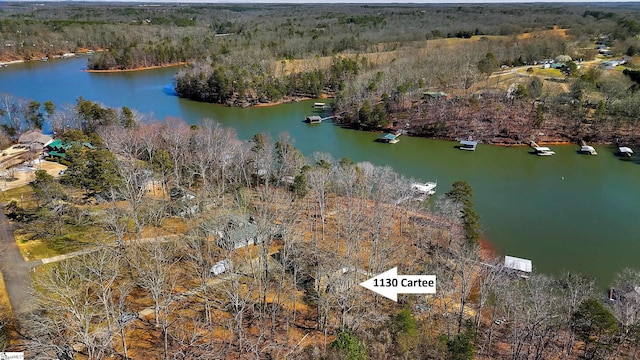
<point x="182" y="202"/>
<point x="58" y="148"/>
<point x="35" y="140"/>
<point x="239" y="232"/>
<point x="610" y="65"/>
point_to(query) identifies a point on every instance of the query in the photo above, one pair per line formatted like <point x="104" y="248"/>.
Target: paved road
<point x="14" y="270"/>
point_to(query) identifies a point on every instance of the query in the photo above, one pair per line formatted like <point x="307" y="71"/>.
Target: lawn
<point x="75" y="238"/>
<point x="23" y="195"/>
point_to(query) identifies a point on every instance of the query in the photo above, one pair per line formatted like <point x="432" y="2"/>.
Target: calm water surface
<point x="567" y="211"/>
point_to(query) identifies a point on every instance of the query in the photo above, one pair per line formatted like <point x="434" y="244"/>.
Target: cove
<point x="567" y="211"/>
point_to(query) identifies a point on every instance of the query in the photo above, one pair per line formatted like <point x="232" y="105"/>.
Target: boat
<point x="625" y="151"/>
<point x="586" y="149"/>
<point x="319" y="105"/>
<point x="543" y="151"/>
<point x="428" y="188"/>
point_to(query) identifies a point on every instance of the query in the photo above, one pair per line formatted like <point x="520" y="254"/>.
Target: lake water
<point x="567" y="211"/>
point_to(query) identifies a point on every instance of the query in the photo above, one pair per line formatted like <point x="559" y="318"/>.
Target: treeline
<point x="274" y="33"/>
<point x="598" y="106"/>
<point x="18" y="115"/>
<point x="315" y="228"/>
<point x="237" y="86"/>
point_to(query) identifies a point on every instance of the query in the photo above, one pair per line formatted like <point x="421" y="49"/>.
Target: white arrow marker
<point x="389" y="284"/>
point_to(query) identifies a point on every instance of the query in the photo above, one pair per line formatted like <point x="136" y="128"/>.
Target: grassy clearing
<point x="23" y="195"/>
<point x="4" y="297"/>
<point x="76" y="237"/>
<point x="547" y="72"/>
<point x="5" y="315"/>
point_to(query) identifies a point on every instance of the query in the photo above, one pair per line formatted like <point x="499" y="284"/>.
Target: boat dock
<point x="586" y="149"/>
<point x="315" y="119"/>
<point x="468" y="145"/>
<point x="541" y="150"/>
<point x="625" y="151"/>
<point x="388" y="138"/>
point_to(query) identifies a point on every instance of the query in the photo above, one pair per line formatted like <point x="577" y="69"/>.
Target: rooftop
<point x="515" y="263"/>
<point x="388" y="137"/>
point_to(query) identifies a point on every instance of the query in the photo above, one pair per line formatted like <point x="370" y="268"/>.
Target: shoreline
<point x="281" y="102"/>
<point x="137" y="69"/>
<point x="11" y="62"/>
<point x="487" y="248"/>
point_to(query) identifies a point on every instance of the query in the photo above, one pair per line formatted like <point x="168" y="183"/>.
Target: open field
<point x="414" y="49"/>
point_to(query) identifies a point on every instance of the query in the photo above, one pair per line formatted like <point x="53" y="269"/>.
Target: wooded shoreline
<point x="137" y="69"/>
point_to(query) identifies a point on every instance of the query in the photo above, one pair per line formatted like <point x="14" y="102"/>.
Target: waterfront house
<point x="58" y="148"/>
<point x="34" y="140"/>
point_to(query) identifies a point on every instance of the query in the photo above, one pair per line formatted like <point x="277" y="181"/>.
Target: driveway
<point x="14" y="270"/>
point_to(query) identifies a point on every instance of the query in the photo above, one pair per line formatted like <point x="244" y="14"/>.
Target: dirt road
<point x="14" y="270"/>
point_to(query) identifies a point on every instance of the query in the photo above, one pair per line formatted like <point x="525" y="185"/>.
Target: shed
<point x="519" y="264"/>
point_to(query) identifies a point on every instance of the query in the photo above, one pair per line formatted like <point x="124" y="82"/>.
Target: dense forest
<point x="378" y="61"/>
<point x="195" y="244"/>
